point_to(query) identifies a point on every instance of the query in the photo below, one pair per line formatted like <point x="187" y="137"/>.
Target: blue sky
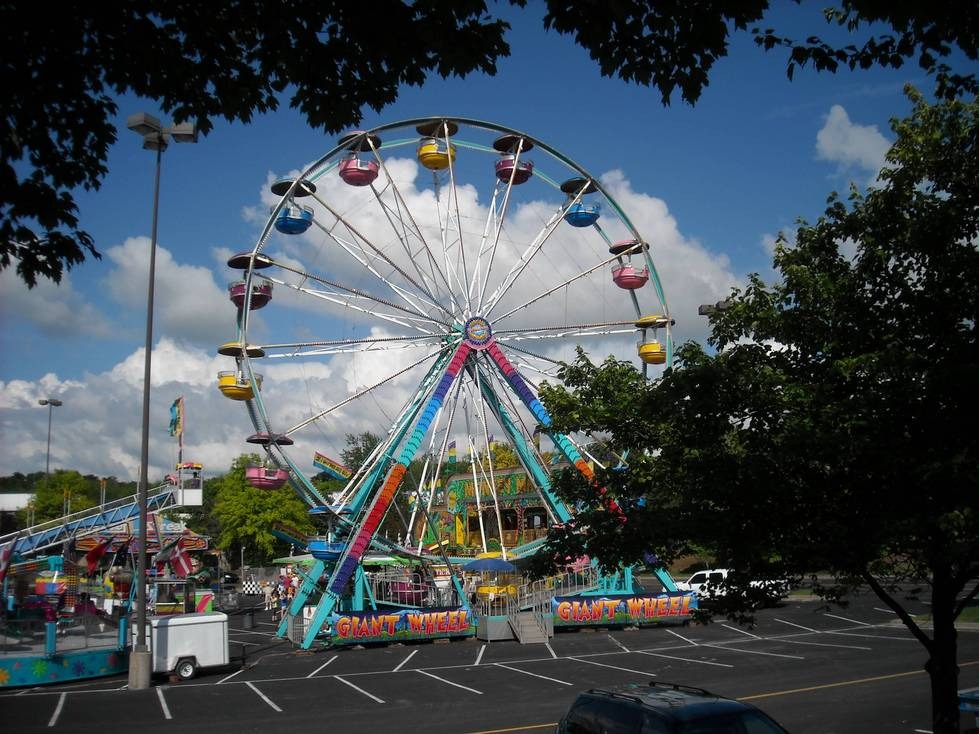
<point x="708" y="186"/>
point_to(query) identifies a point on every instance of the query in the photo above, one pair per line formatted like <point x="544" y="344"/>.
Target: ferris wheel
<point x="436" y="270"/>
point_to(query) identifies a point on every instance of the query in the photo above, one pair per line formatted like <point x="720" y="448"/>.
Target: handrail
<point x="85" y="522"/>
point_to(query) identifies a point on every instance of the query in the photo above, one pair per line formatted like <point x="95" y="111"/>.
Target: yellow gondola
<point x="237" y="388"/>
<point x="435" y="154"/>
<point x="652" y="352"/>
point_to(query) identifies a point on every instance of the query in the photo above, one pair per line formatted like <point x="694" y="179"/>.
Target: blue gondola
<point x="294" y="219"/>
<point x="582" y="215"/>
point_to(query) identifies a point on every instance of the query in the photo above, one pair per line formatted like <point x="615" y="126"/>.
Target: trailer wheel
<point x="186" y="668"/>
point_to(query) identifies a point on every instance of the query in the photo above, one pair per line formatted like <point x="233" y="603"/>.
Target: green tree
<point x="233" y="60"/>
<point x="359" y="448"/>
<point x="246" y="514"/>
<point x="51" y="496"/>
<point x="833" y="428"/>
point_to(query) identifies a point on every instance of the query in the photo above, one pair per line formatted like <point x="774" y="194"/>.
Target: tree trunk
<point x="942" y="666"/>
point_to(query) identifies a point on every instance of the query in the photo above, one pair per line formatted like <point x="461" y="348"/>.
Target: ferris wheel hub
<point x="478" y="332"/>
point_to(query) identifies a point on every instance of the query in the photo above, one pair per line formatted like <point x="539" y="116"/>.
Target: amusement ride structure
<point x="442" y="267"/>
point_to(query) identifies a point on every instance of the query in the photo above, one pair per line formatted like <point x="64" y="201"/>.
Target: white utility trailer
<point x="184" y="643"/>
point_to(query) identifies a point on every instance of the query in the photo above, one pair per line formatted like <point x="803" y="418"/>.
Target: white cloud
<point x="98" y="429"/>
<point x="849" y="144"/>
<point x="188" y="303"/>
<point x="56" y="311"/>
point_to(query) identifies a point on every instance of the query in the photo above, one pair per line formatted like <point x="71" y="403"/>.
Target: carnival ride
<point x="388" y="251"/>
<point x="59" y="623"/>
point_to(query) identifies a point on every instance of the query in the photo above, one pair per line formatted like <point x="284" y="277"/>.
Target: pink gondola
<point x="629" y="277"/>
<point x="358" y="172"/>
<point x="505" y="169"/>
<point x="261" y="294"/>
<point x="264" y="478"/>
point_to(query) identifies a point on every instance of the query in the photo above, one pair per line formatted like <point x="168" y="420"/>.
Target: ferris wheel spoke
<point x="453" y="203"/>
<point x="565" y="284"/>
<point x="499" y="220"/>
<point x="363" y="259"/>
<point x="564" y="331"/>
<point x="365" y="391"/>
<point x="402" y="215"/>
<point x="350" y="346"/>
<point x="521" y="265"/>
<point x="352" y="298"/>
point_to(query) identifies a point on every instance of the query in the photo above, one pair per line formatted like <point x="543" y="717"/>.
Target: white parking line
<point x="618" y="643"/>
<point x="243" y="643"/>
<point x="322" y="666"/>
<point x="756" y="652"/>
<point x="823" y="644"/>
<point x="614" y="667"/>
<point x="262" y="696"/>
<point x="535" y="675"/>
<point x="685" y="639"/>
<point x="229" y="677"/>
<point x="57" y="710"/>
<point x="873" y="637"/>
<point x="550" y="650"/>
<point x="479" y="655"/>
<point x="457" y="685"/>
<point x="846" y="619"/>
<point x="793" y="624"/>
<point x="163" y="703"/>
<point x="886" y="611"/>
<point x="685" y="660"/>
<point x="410" y="656"/>
<point x="357" y="688"/>
<point x="738" y="629"/>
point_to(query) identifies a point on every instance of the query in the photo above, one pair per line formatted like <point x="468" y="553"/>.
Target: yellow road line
<point x="856" y="681"/>
<point x="756" y="696"/>
<point x="517" y="728"/>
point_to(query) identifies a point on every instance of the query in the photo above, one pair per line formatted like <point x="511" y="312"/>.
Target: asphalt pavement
<point x="816" y="669"/>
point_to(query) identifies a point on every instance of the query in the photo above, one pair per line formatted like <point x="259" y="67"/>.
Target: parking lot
<point x="814" y="668"/>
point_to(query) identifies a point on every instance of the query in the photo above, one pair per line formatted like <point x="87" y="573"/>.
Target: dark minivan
<point x="662" y="708"/>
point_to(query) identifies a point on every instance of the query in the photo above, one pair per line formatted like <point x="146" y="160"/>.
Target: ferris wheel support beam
<point x="531" y="464"/>
<point x="540" y="412"/>
<point x="489" y="462"/>
<point x="400" y="429"/>
<point x="366" y="529"/>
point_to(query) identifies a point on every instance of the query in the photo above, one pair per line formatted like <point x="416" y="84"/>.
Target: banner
<point x="355" y="628"/>
<point x="334" y="468"/>
<point x="177" y="417"/>
<point x="452" y="451"/>
<point x="583" y="611"/>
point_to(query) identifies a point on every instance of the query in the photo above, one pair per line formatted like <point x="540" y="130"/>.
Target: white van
<point x="708" y="584"/>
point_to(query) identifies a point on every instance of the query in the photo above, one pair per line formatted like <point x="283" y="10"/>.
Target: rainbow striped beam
<point x="384" y="498"/>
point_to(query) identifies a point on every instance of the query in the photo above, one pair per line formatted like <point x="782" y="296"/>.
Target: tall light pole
<point x="155" y="137"/>
<point x="52" y="404"/>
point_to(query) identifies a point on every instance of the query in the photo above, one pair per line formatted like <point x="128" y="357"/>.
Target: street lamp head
<point x="50" y="401"/>
<point x="144" y="124"/>
<point x="185" y="132"/>
<point x="155" y="136"/>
